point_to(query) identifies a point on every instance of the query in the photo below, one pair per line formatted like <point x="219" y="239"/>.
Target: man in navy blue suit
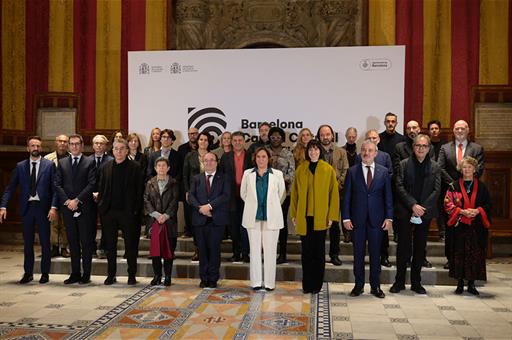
<point x="75" y="182"/>
<point x="209" y="199"/>
<point x="38" y="203"/>
<point x="367" y="210"/>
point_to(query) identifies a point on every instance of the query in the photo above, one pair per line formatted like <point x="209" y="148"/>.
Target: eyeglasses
<point x="165" y="137"/>
<point x="421" y="146"/>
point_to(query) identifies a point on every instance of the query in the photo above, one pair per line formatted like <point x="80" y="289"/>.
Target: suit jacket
<point x="404" y="150"/>
<point x="44" y="185"/>
<point x="227" y="166"/>
<point x="448" y="159"/>
<point x="134" y="188"/>
<point x="104" y="160"/>
<point x="191" y="167"/>
<point x="218" y="198"/>
<point x="79" y="185"/>
<point x="404" y="183"/>
<point x="276" y="195"/>
<point x="361" y="204"/>
<point x="174" y="160"/>
<point x="382" y="158"/>
<point x="166" y="203"/>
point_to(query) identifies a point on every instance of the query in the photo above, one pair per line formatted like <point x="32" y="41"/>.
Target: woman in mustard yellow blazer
<point x="314" y="205"/>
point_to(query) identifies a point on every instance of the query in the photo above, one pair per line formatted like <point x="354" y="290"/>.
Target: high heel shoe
<point x="156" y="280"/>
<point x="472" y="288"/>
<point x="460" y="287"/>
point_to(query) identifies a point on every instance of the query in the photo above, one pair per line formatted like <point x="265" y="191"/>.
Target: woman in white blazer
<point x="263" y="190"/>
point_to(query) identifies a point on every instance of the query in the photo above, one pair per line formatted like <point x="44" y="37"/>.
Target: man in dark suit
<point x="233" y="164"/>
<point x="38" y="203"/>
<point x="367" y="210"/>
<point x="120" y="191"/>
<point x="418" y="184"/>
<point x="449" y="156"/>
<point x="74" y="183"/>
<point x="209" y="199"/>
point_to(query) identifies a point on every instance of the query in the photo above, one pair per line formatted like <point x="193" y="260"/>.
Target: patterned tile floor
<point x="233" y="311"/>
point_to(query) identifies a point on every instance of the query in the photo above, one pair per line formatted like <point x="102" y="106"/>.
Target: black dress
<point x="469" y="235"/>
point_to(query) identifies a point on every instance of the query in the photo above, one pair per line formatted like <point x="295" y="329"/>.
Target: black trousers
<point x="209" y="238"/>
<point x="412" y="240"/>
<point x="384" y="245"/>
<point x="313" y="258"/>
<point x="334" y="238"/>
<point x="79" y="233"/>
<point x="128" y="224"/>
<point x="239" y="237"/>
<point x="156" y="261"/>
<point x="283" y="233"/>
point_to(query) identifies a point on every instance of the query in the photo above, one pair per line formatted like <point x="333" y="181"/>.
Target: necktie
<point x="98" y="162"/>
<point x="74" y="166"/>
<point x="369" y="176"/>
<point x="459" y="153"/>
<point x="208" y="186"/>
<point x="33" y="180"/>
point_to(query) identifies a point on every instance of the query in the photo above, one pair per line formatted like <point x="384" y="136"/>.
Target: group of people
<point x="394" y="182"/>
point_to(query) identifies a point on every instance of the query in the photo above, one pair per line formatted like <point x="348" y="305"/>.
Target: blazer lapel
<point x="360" y="175"/>
<point x="42" y="167"/>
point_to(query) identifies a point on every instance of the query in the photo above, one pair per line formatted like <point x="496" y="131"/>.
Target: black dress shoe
<point x="44" y="278"/>
<point x="65" y="253"/>
<point x="257" y="288"/>
<point x="203" y="284"/>
<point x="419" y="289"/>
<point x="235" y="258"/>
<point x="246" y="259"/>
<point x="460" y="287"/>
<point x="26" y="278"/>
<point x="72" y="279"/>
<point x="131" y="280"/>
<point x="110" y="280"/>
<point x="281" y="259"/>
<point x="85" y="279"/>
<point x="212" y="284"/>
<point x="385" y="262"/>
<point x="55" y="251"/>
<point x="396" y="288"/>
<point x="447" y="265"/>
<point x="427" y="264"/>
<point x="356" y="291"/>
<point x="269" y="289"/>
<point x="335" y="260"/>
<point x="167" y="281"/>
<point x="472" y="288"/>
<point x="377" y="292"/>
<point x="157" y="279"/>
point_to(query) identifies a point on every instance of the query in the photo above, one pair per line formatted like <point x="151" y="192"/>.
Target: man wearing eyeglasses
<point x="418" y="184"/>
<point x="74" y="183"/>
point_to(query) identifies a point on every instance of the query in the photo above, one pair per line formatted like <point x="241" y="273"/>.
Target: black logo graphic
<point x="143" y="68"/>
<point x="175" y="68"/>
<point x="210" y="120"/>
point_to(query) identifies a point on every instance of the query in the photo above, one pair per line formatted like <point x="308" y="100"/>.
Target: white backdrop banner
<point x="218" y="90"/>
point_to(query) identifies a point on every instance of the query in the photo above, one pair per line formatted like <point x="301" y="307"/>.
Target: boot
<point x="472" y="288"/>
<point x="460" y="287"/>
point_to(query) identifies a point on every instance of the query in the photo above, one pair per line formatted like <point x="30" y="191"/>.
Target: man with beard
<point x="337" y="158"/>
<point x="263" y="140"/>
<point x="58" y="236"/>
<point x="38" y="203"/>
<point x="183" y="150"/>
<point x="390" y="137"/>
<point x="449" y="156"/>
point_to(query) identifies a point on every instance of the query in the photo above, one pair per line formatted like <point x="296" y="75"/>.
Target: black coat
<point x="227" y="166"/>
<point x="166" y="203"/>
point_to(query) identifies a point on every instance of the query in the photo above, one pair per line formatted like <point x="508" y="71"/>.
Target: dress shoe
<point x="203" y="284"/>
<point x="472" y="288"/>
<point x="110" y="280"/>
<point x="195" y="257"/>
<point x="315" y="291"/>
<point x="460" y="287"/>
<point x="377" y="292"/>
<point x="335" y="260"/>
<point x="212" y="284"/>
<point x="269" y="289"/>
<point x="246" y="259"/>
<point x="186" y="235"/>
<point x="44" y="278"/>
<point x="85" y="279"/>
<point x="447" y="265"/>
<point x="65" y="253"/>
<point x="72" y="279"/>
<point x="385" y="262"/>
<point x="26" y="278"/>
<point x="419" y="289"/>
<point x="157" y="279"/>
<point x="131" y="280"/>
<point x="167" y="281"/>
<point x="356" y="291"/>
<point x="281" y="259"/>
<point x="396" y="288"/>
<point x="55" y="251"/>
<point x="235" y="258"/>
<point x="427" y="264"/>
<point x="257" y="288"/>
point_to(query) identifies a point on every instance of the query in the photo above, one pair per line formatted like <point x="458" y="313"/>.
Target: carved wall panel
<point x="222" y="24"/>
